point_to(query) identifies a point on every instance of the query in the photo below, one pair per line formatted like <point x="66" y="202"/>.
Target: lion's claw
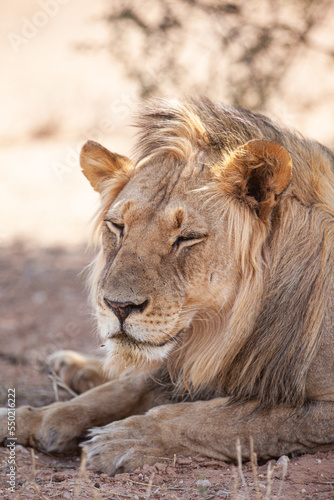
<point x="121" y="447"/>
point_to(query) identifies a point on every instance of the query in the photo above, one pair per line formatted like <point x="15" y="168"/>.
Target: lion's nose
<point x="123" y="309"/>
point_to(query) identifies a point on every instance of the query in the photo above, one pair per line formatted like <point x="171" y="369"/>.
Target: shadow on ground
<point x="43" y="307"/>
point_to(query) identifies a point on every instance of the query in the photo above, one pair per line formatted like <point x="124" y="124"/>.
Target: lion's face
<point x="162" y="261"/>
<point x="168" y="246"/>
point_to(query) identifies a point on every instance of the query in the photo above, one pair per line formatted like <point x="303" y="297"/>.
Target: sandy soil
<point x="43" y="308"/>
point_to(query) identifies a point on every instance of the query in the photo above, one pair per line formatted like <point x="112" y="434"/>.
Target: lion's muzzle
<point x="123" y="309"/>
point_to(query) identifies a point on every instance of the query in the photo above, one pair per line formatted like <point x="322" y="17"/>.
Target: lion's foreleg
<point x="211" y="429"/>
<point x="59" y="426"/>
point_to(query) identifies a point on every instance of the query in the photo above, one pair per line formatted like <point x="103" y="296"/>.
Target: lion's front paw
<point x="79" y="372"/>
<point x="23" y="428"/>
<point x="54" y="428"/>
<point x="123" y="446"/>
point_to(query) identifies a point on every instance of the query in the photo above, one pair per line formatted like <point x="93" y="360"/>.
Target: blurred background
<point x="73" y="70"/>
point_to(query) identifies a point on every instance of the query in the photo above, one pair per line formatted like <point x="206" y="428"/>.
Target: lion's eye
<point x="115" y="227"/>
<point x="188" y="240"/>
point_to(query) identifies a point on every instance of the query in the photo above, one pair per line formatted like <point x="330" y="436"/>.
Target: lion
<point x="214" y="295"/>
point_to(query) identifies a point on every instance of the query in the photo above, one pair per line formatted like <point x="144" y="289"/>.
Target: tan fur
<point x="214" y="284"/>
<point x="219" y="355"/>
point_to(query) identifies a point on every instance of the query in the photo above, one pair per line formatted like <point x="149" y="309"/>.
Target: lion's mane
<point x="265" y="346"/>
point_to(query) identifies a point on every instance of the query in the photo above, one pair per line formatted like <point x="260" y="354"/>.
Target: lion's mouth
<point x="128" y="341"/>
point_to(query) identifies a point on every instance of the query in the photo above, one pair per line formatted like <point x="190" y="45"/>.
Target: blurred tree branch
<point x="205" y="46"/>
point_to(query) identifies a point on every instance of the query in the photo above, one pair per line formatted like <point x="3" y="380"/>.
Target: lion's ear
<point x="99" y="165"/>
<point x="258" y="172"/>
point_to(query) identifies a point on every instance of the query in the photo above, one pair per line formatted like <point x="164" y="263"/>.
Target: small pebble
<point x="203" y="483"/>
<point x="161" y="468"/>
<point x="184" y="461"/>
<point x="22" y="449"/>
<point x="283" y="459"/>
<point x="97" y="485"/>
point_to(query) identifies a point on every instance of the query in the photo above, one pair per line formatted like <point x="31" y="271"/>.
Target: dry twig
<point x="58" y="382"/>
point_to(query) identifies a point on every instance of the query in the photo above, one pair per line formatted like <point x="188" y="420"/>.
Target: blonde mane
<point x="264" y="346"/>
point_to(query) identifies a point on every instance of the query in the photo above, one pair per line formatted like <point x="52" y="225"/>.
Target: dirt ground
<point x="43" y="307"/>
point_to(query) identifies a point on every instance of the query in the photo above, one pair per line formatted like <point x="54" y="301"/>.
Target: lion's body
<point x="215" y="273"/>
<point x="287" y="271"/>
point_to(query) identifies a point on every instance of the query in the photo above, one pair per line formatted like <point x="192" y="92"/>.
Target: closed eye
<point x="188" y="240"/>
<point x="115" y="227"/>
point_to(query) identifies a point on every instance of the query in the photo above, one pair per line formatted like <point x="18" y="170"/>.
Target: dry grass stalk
<point x="54" y="387"/>
<point x="241" y="474"/>
<point x="149" y="486"/>
<point x="30" y="481"/>
<point x="270" y="471"/>
<point x="269" y="476"/>
<point x="83" y="478"/>
<point x="58" y="382"/>
<point x="243" y="481"/>
<point x="284" y="472"/>
<point x="33" y="462"/>
<point x="254" y="468"/>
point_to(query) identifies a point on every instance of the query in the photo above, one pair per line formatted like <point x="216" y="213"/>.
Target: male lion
<point x="214" y="292"/>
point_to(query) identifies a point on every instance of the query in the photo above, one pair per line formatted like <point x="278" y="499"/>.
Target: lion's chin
<point x="127" y="340"/>
<point x="133" y="353"/>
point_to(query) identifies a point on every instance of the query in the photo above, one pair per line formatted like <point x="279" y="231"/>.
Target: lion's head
<point x="199" y="234"/>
